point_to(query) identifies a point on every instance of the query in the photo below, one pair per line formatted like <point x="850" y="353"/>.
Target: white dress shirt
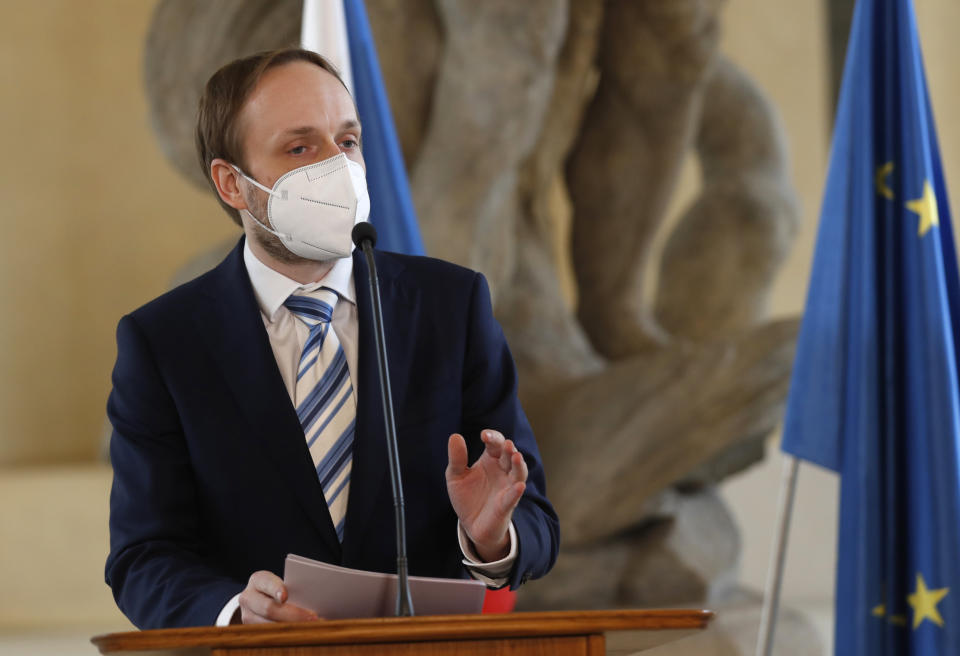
<point x="288" y="335"/>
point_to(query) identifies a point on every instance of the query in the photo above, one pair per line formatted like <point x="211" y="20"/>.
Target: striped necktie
<point x="324" y="399"/>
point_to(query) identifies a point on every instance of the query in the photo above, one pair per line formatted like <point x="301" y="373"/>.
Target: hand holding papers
<point x="334" y="592"/>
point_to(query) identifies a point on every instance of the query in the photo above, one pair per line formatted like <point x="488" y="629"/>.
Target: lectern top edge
<point x="409" y="629"/>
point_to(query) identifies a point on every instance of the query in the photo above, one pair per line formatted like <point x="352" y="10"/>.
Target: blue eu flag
<point x="874" y="394"/>
<point x="391" y="208"/>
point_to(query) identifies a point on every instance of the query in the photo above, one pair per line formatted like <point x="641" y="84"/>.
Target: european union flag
<point x="875" y="392"/>
<point x="391" y="208"/>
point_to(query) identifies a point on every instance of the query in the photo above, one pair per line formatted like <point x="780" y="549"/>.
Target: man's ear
<point x="227" y="181"/>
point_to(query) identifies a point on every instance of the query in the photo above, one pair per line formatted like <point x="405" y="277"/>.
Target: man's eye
<point x="297" y="150"/>
<point x="349" y="144"/>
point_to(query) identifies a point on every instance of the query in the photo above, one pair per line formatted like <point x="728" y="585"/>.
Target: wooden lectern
<point x="513" y="634"/>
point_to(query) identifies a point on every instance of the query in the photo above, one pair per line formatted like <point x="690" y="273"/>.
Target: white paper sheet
<point x="334" y="592"/>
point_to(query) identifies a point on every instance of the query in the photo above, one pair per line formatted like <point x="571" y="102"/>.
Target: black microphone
<point x="365" y="236"/>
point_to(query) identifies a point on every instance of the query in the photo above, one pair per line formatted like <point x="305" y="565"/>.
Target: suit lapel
<point x="232" y="325"/>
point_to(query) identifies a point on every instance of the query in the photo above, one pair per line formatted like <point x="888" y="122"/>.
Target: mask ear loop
<point x="279" y="235"/>
<point x="257" y="184"/>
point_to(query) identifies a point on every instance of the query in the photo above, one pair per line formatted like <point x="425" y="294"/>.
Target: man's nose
<point x="328" y="150"/>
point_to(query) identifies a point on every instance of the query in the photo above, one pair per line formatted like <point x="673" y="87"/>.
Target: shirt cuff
<point x="225" y="618"/>
<point x="495" y="574"/>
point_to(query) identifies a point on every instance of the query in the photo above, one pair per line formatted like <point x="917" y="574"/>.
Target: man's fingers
<point x="494" y="442"/>
<point x="257" y="608"/>
<point x="506" y="456"/>
<point x="264" y="600"/>
<point x="269" y="584"/>
<point x="291" y="613"/>
<point x="518" y="471"/>
<point x="510" y="497"/>
<point x="503" y="451"/>
<point x="248" y="616"/>
<point x="456" y="455"/>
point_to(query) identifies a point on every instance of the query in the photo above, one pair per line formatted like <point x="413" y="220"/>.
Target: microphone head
<point x="362" y="232"/>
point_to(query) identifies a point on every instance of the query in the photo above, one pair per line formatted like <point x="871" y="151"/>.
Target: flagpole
<point x="778" y="556"/>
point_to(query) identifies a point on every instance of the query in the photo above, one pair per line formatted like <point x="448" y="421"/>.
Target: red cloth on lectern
<point x="503" y="600"/>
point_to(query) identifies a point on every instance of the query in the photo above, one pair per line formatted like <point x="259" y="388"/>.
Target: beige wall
<point x="95" y="221"/>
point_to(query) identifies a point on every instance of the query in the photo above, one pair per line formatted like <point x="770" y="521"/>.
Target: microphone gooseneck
<point x="364" y="237"/>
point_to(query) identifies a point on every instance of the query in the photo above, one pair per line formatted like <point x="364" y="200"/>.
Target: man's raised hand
<point x="484" y="495"/>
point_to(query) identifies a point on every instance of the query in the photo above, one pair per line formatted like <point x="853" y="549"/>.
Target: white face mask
<point x="313" y="208"/>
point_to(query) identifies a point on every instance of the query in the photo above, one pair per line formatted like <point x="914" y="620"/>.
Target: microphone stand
<point x="364" y="236"/>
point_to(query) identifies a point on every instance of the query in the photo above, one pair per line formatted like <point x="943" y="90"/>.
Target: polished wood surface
<point x="546" y="646"/>
<point x="573" y="632"/>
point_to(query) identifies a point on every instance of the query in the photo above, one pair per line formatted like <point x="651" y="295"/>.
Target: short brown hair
<point x="223" y="98"/>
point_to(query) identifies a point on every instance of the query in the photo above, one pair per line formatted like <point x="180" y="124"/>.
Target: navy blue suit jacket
<point x="212" y="476"/>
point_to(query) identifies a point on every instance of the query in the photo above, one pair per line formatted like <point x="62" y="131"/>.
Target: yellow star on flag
<point x="926" y="207"/>
<point x="924" y="602"/>
<point x="883" y="172"/>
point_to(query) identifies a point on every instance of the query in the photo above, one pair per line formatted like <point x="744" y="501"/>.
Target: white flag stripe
<point x="324" y="31"/>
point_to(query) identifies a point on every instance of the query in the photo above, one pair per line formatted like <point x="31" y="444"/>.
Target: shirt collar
<point x="272" y="288"/>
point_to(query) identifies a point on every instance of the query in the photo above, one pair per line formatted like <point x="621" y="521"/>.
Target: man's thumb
<point x="457" y="455"/>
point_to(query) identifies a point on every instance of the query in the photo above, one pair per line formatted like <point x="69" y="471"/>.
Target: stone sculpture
<point x="520" y="121"/>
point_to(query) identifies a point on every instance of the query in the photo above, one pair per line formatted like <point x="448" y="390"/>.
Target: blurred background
<point x="97" y="222"/>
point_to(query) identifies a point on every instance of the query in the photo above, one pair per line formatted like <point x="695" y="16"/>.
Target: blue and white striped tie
<point x="324" y="399"/>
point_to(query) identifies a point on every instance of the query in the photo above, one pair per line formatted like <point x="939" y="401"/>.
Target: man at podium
<point x="246" y="404"/>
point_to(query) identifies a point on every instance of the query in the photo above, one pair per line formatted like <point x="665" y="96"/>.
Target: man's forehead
<point x="295" y="96"/>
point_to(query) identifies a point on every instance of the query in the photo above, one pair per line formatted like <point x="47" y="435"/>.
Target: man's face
<point x="297" y="114"/>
